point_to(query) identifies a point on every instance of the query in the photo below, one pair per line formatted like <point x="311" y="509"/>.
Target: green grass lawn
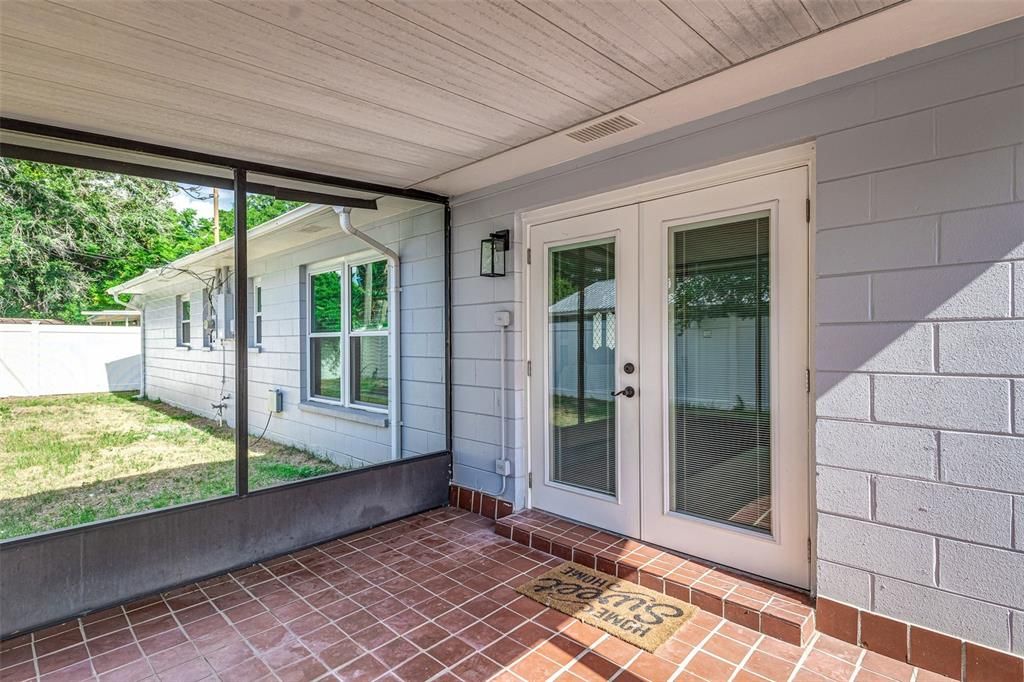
<point x="67" y="460"/>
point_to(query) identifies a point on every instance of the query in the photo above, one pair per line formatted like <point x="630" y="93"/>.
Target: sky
<point x="203" y="207"/>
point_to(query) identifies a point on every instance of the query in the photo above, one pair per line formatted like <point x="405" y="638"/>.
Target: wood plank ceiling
<point x="389" y="91"/>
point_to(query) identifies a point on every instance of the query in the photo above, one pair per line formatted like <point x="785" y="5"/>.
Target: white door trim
<point x="761" y="164"/>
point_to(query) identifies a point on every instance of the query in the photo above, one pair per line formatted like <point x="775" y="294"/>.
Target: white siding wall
<point x="192" y="378"/>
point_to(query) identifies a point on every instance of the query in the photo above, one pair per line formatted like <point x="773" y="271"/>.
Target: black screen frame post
<point x="241" y="337"/>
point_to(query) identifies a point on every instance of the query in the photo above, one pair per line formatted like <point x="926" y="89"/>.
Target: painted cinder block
<point x="874" y="347"/>
<point x="978" y="179"/>
<point x="844" y="584"/>
<point x="843" y="395"/>
<point x="844" y="492"/>
<point x="844" y="202"/>
<point x="982" y="347"/>
<point x="908" y="243"/>
<point x="949" y="510"/>
<point x="877" y="448"/>
<point x="876" y="146"/>
<point x="947" y="80"/>
<point x="943" y="611"/>
<point x="960" y="403"/>
<point x="842" y="299"/>
<point x="869" y="546"/>
<point x="995" y="120"/>
<point x="991" y="233"/>
<point x="983" y="461"/>
<point x="994" y="575"/>
<point x="955" y="291"/>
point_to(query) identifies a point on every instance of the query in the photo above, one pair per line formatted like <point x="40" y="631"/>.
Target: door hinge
<point x="529" y="256"/>
<point x="809" y="550"/>
<point x="529" y="367"/>
<point x="807" y="380"/>
<point x="808" y="209"/>
<point x="529" y="480"/>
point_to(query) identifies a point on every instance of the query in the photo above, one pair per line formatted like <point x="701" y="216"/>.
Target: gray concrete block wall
<point x="926" y="234"/>
<point x="919" y="309"/>
<point x="191" y="379"/>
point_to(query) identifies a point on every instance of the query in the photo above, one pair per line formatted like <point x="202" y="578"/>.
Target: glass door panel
<point x="581" y="342"/>
<point x="719" y="408"/>
<point x="583" y="346"/>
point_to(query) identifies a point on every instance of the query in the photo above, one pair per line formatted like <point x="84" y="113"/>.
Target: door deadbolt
<point x="629" y="368"/>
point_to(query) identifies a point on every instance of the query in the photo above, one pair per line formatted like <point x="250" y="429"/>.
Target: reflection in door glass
<point x="720" y="426"/>
<point x="581" y="338"/>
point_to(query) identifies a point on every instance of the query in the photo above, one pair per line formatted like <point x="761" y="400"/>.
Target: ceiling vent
<point x="603" y="128"/>
<point x="315" y="227"/>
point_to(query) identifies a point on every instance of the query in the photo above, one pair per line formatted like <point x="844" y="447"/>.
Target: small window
<point x="349" y="335"/>
<point x="368" y="333"/>
<point x="256" y="319"/>
<point x="184" y="309"/>
<point x="325" y="336"/>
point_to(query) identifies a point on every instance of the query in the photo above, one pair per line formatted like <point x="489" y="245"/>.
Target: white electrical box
<point x="275" y="400"/>
<point x="224" y="314"/>
<point x="502" y="318"/>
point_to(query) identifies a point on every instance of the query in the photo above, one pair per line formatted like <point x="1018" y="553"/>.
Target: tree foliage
<point x="69" y="234"/>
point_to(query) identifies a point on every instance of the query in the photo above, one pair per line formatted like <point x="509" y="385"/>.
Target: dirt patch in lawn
<point x="68" y="460"/>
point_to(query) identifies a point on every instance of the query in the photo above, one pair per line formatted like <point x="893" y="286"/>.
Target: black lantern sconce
<point x="492" y="254"/>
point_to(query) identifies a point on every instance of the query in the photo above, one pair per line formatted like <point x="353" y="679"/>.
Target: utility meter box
<point x="275" y="400"/>
<point x="224" y="314"/>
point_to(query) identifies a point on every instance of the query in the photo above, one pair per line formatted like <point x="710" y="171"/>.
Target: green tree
<point x="69" y="234"/>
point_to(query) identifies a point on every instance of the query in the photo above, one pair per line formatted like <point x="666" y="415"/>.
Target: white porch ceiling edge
<point x="884" y="34"/>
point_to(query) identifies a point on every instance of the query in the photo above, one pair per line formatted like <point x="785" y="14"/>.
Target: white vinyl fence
<point x="44" y="359"/>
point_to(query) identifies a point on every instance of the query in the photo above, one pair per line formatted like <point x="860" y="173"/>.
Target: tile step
<point x="772" y="610"/>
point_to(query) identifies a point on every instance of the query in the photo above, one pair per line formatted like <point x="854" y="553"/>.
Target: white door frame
<point x="754" y="166"/>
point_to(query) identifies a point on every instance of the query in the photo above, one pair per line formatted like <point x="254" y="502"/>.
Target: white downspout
<point x="394" y="324"/>
<point x="142" y="339"/>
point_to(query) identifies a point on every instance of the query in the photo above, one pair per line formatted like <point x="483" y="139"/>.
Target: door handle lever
<point x="628" y="391"/>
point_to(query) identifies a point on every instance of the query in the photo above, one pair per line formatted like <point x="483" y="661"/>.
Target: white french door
<point x="692" y="310"/>
<point x="724" y="403"/>
<point x="583" y="321"/>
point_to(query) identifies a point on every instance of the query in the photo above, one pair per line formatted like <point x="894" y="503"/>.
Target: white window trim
<point x="256" y="334"/>
<point x="342" y="266"/>
<point x="180" y="320"/>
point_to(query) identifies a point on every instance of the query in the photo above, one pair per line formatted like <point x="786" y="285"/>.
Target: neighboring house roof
<point x="102" y="316"/>
<point x="597" y="297"/>
<point x="305" y="224"/>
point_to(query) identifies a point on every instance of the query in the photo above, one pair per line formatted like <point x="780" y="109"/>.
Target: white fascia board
<point x="876" y="37"/>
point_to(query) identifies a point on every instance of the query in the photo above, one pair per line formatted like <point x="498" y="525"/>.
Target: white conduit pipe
<point x="394" y="324"/>
<point x="501" y="409"/>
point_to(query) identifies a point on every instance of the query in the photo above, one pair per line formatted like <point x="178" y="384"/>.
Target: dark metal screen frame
<point x="239" y="183"/>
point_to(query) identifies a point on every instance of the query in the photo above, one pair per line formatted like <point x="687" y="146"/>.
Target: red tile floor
<point x="426" y="598"/>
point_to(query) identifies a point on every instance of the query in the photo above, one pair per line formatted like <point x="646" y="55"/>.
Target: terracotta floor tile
<point x="366" y="667"/>
<point x="368" y="608"/>
<point x="340" y="654"/>
<point x="133" y="672"/>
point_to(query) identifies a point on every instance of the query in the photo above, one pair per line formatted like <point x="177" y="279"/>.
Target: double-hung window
<point x="256" y="318"/>
<point x="348" y="342"/>
<point x="184" y="313"/>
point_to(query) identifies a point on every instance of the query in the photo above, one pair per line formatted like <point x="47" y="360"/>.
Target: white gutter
<point x="142" y="338"/>
<point x="394" y="324"/>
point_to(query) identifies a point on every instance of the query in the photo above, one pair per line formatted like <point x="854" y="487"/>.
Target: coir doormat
<point x="626" y="610"/>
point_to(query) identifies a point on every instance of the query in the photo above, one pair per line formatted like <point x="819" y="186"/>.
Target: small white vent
<point x="603" y="128"/>
<point x="315" y="228"/>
